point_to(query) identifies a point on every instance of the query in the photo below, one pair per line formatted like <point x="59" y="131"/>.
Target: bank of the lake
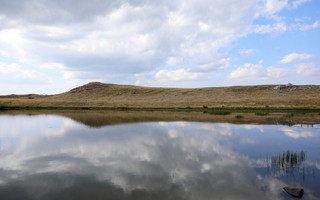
<point x="98" y="118"/>
<point x="123" y="97"/>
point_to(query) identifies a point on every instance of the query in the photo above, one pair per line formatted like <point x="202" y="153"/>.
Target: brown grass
<point x="112" y="95"/>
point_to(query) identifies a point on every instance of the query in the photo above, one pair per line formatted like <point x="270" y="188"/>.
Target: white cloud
<point x="306" y="69"/>
<point x="177" y="75"/>
<point x="294" y="56"/>
<point x="257" y="72"/>
<point x="297" y="3"/>
<point x="269" y="28"/>
<point x="203" y="26"/>
<point x="18" y="79"/>
<point x="274" y="72"/>
<point x="53" y="66"/>
<point x="15" y="72"/>
<point x="295" y="134"/>
<point x="13" y="44"/>
<point x="177" y="19"/>
<point x="273" y="6"/>
<point x="127" y="38"/>
<point x="280" y="26"/>
<point x="63" y="70"/>
<point x="260" y="74"/>
<point x="270" y="9"/>
<point x="246" y="71"/>
<point x="305" y="27"/>
<point x="173" y="61"/>
<point x="206" y="65"/>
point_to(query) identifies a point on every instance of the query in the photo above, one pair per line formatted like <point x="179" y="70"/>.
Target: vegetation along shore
<point x="97" y="95"/>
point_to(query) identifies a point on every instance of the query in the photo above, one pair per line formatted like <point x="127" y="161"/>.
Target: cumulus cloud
<point x="124" y="36"/>
<point x="247" y="71"/>
<point x="207" y="65"/>
<point x="15" y="72"/>
<point x="256" y="72"/>
<point x="121" y="37"/>
<point x="306" y="69"/>
<point x="261" y="74"/>
<point x="273" y="6"/>
<point x="295" y="56"/>
<point x="177" y="75"/>
<point x="270" y="9"/>
<point x="103" y="40"/>
<point x="203" y="70"/>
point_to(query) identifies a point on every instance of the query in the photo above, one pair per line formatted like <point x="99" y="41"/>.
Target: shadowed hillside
<point x="111" y="95"/>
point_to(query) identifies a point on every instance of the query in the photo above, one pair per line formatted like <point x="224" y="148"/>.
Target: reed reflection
<point x="289" y="163"/>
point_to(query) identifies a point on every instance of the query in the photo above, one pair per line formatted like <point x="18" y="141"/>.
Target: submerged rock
<point x="295" y="192"/>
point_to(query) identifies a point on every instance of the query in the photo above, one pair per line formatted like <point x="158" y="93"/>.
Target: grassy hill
<point x="111" y="95"/>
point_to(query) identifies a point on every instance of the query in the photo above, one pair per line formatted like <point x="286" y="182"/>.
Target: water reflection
<point x="289" y="163"/>
<point x="50" y="157"/>
<point x="99" y="118"/>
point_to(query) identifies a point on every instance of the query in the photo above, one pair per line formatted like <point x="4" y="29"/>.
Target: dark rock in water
<point x="295" y="192"/>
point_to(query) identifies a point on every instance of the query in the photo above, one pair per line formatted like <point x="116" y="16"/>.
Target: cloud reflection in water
<point x="145" y="161"/>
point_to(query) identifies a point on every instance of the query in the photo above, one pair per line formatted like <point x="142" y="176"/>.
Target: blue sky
<point x="50" y="47"/>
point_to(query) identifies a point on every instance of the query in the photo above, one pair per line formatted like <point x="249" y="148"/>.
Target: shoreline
<point x="99" y="117"/>
<point x="172" y="109"/>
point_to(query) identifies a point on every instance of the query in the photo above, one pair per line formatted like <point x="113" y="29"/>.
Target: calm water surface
<point x="53" y="157"/>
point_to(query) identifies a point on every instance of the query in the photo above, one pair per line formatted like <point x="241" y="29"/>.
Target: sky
<point x="48" y="47"/>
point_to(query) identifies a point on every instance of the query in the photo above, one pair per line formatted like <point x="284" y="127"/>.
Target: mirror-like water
<point x="53" y="157"/>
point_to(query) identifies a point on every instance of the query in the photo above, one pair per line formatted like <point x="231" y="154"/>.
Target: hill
<point x="97" y="94"/>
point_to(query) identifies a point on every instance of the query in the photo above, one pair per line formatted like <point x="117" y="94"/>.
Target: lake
<point x="52" y="156"/>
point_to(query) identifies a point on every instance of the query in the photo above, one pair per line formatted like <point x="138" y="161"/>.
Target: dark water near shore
<point x="54" y="157"/>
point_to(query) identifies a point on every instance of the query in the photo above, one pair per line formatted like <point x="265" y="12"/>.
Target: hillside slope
<point x="111" y="95"/>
